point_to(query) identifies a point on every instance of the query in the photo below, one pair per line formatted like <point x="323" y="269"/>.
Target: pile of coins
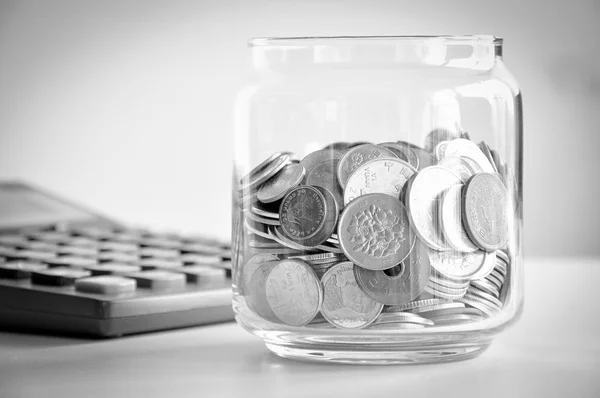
<point x="386" y="236"/>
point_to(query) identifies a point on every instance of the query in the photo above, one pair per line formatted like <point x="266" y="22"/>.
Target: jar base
<point x="372" y="356"/>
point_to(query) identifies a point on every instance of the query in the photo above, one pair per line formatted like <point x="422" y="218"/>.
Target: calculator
<point x="67" y="270"/>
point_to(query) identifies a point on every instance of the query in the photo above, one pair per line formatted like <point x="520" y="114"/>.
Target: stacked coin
<point x="387" y="236"/>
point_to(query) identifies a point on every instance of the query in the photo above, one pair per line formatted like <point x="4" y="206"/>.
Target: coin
<point x="451" y="222"/>
<point x="484" y="207"/>
<point x="253" y="180"/>
<point x="262" y="220"/>
<point x="325" y="175"/>
<point x="425" y="158"/>
<point x="459" y="166"/>
<point x="455" y="284"/>
<point x="438" y="135"/>
<point x="255" y="292"/>
<point x="488" y="266"/>
<point x="440" y="150"/>
<point x="264" y="212"/>
<point x="303" y="214"/>
<point x="485" y="296"/>
<point x="331" y="217"/>
<point x="464" y="147"/>
<point x="294" y="292"/>
<point x="460" y="309"/>
<point x="382" y="175"/>
<point x="315" y="158"/>
<point x="356" y="157"/>
<point x="258" y="230"/>
<point x="251" y="266"/>
<point x="374" y="231"/>
<point x="415" y="304"/>
<point x="316" y="257"/>
<point x="345" y="305"/>
<point x="402" y="283"/>
<point x="338" y="146"/>
<point x="422" y="194"/>
<point x="487" y="287"/>
<point x="456" y="264"/>
<point x="424" y="311"/>
<point x="395" y="326"/>
<point x="488" y="154"/>
<point x="402" y="317"/>
<point x="406" y="150"/>
<point x="487" y="310"/>
<point x="450" y="295"/>
<point x="277" y="186"/>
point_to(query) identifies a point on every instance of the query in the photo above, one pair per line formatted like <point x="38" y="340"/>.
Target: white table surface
<point x="554" y="351"/>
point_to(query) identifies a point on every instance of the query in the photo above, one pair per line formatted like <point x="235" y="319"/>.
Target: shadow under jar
<point x="377" y="198"/>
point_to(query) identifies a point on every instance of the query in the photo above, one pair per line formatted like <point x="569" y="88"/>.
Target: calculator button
<point x="112" y="269"/>
<point x="159" y="263"/>
<point x="106" y="285"/>
<point x="199" y="259"/>
<point x="35" y="255"/>
<point x="61" y="276"/>
<point x="125" y="247"/>
<point x="120" y="257"/>
<point x="158" y="279"/>
<point x="201" y="273"/>
<point x="39" y="245"/>
<point x="13" y="240"/>
<point x="161" y="243"/>
<point x="77" y="251"/>
<point x="19" y="269"/>
<point x="148" y="252"/>
<point x="50" y="237"/>
<point x="80" y="241"/>
<point x="71" y="261"/>
<point x="200" y="248"/>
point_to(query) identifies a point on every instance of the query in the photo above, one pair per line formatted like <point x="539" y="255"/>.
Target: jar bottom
<point x="375" y="356"/>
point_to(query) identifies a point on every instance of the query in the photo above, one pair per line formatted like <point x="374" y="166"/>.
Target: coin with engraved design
<point x="358" y="156"/>
<point x="303" y="214"/>
<point x="345" y="305"/>
<point x="484" y="211"/>
<point x="294" y="292"/>
<point x="277" y="186"/>
<point x="382" y="175"/>
<point x="400" y="284"/>
<point x="374" y="231"/>
<point x="450" y="219"/>
<point x="463" y="147"/>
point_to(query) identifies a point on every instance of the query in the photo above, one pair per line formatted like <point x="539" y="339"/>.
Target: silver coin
<point x="451" y="222"/>
<point x="316" y="257"/>
<point x="381" y="175"/>
<point x="488" y="266"/>
<point x="263" y="245"/>
<point x="374" y="231"/>
<point x="459" y="166"/>
<point x="456" y="319"/>
<point x="498" y="276"/>
<point x="276" y="234"/>
<point x="487" y="310"/>
<point x="294" y="292"/>
<point x="402" y="317"/>
<point x="497" y="161"/>
<point x="400" y="284"/>
<point x="303" y="214"/>
<point x="440" y="150"/>
<point x="325" y="175"/>
<point x="459" y="308"/>
<point x="257" y="230"/>
<point x="488" y="154"/>
<point x="484" y="209"/>
<point x="446" y="289"/>
<point x="451" y="283"/>
<point x="316" y="158"/>
<point x="264" y="213"/>
<point x="251" y="266"/>
<point x="331" y="217"/>
<point x="463" y="147"/>
<point x="485" y="296"/>
<point x="503" y="256"/>
<point x="395" y="326"/>
<point x="262" y="220"/>
<point x="424" y="311"/>
<point x="486" y="286"/>
<point x="345" y="305"/>
<point x="253" y="180"/>
<point x="494" y="304"/>
<point x="456" y="264"/>
<point x="425" y="158"/>
<point x="415" y="304"/>
<point x="358" y="156"/>
<point x="495" y="281"/>
<point x="407" y="152"/>
<point x="255" y="292"/>
<point x="501" y="268"/>
<point x="438" y="135"/>
<point x="262" y="165"/>
<point x="422" y="195"/>
<point x="330" y="249"/>
<point x="277" y="186"/>
<point x="444" y="294"/>
<point x="397" y="149"/>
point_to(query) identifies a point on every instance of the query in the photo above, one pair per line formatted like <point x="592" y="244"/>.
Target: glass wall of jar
<point x="377" y="198"/>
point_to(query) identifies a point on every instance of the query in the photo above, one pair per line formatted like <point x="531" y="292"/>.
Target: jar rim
<point x="302" y="40"/>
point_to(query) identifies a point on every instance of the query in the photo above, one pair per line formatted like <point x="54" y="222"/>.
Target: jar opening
<point x="307" y="40"/>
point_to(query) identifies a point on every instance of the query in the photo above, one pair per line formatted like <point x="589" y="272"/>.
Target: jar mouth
<point x="306" y="40"/>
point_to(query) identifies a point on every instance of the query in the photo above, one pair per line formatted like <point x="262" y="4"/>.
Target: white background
<point x="126" y="106"/>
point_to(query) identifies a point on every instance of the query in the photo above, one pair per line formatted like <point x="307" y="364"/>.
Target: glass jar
<point x="377" y="198"/>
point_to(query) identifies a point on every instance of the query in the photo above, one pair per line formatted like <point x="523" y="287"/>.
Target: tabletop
<point x="554" y="350"/>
